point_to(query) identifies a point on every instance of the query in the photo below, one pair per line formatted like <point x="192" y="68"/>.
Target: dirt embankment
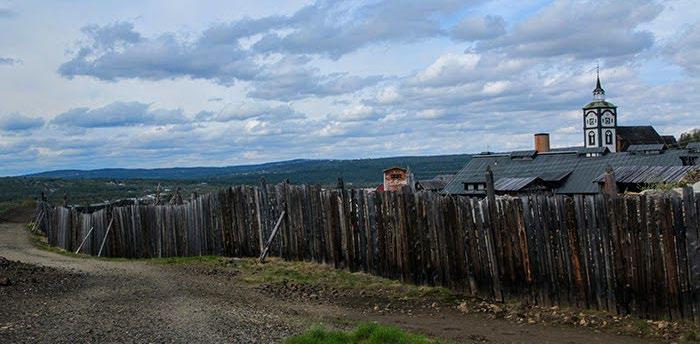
<point x="52" y="298"/>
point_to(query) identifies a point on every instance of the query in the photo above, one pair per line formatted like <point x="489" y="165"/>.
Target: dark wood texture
<point x="629" y="255"/>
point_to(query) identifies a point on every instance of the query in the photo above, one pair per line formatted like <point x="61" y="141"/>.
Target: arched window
<point x="608" y="137"/>
<point x="591" y="138"/>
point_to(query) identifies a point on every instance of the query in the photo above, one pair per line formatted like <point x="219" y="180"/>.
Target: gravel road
<point x="59" y="299"/>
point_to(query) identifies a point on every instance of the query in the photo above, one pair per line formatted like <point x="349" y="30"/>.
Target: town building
<point x="637" y="153"/>
<point x="395" y="178"/>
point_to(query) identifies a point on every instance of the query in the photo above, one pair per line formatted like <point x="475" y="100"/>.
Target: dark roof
<point x="432" y="184"/>
<point x="523" y="154"/>
<point x="555" y="176"/>
<point x="593" y="150"/>
<point x="639" y="135"/>
<point x="566" y="149"/>
<point x="649" y="174"/>
<point x="669" y="140"/>
<point x="580" y="170"/>
<point x="437" y="183"/>
<point x="579" y="150"/>
<point x="514" y="184"/>
<point x="599" y="104"/>
<point x="646" y="147"/>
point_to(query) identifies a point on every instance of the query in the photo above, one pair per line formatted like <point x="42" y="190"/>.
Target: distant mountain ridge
<point x="356" y="171"/>
<point x="178" y="173"/>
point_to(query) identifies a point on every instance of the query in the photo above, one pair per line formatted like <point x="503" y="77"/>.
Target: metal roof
<point x="555" y="176"/>
<point x="593" y="150"/>
<point x="523" y="154"/>
<point x="513" y="184"/>
<point x="649" y="174"/>
<point x="432" y="184"/>
<point x="582" y="170"/>
<point x="646" y="147"/>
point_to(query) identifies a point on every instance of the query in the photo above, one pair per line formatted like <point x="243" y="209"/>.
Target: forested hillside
<point x="360" y="172"/>
<point x="92" y="186"/>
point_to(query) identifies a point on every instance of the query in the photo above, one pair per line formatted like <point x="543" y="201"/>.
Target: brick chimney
<point x="542" y="142"/>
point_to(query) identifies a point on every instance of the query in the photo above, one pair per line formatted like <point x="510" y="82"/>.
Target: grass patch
<point x="39" y="241"/>
<point x="642" y="327"/>
<point x="184" y="260"/>
<point x="277" y="270"/>
<point x="364" y="334"/>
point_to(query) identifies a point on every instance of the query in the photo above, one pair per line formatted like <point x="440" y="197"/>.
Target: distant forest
<point x="82" y="187"/>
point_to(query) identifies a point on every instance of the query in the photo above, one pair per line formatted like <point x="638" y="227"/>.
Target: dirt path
<point x="67" y="299"/>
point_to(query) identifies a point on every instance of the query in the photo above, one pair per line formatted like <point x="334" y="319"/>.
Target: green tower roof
<point x="599" y="104"/>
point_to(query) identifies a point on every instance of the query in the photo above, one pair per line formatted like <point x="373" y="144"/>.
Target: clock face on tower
<point x="607" y="120"/>
<point x="591" y="120"/>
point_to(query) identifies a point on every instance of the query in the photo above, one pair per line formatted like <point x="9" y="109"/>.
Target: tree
<point x="691" y="136"/>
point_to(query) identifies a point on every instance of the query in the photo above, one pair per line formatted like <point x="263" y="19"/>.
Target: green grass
<point x="364" y="334"/>
<point x="183" y="260"/>
<point x="277" y="270"/>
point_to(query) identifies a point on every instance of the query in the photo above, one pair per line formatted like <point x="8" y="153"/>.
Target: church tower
<point x="600" y="121"/>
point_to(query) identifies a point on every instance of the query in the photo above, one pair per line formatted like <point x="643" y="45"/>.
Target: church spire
<point x="599" y="92"/>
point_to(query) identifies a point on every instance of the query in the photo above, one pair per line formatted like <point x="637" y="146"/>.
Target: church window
<point x="591" y="138"/>
<point x="608" y="137"/>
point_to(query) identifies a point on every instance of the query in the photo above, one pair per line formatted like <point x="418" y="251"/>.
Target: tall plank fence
<point x="629" y="255"/>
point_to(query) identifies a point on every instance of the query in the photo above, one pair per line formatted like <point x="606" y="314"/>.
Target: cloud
<point x="291" y="78"/>
<point x="460" y="69"/>
<point x="335" y="28"/>
<point x="251" y="110"/>
<point x="9" y="61"/>
<point x="686" y="50"/>
<point x="116" y="51"/>
<point x="271" y="53"/>
<point x="19" y="122"/>
<point x="356" y="112"/>
<point x="395" y="73"/>
<point x="582" y="30"/>
<point x="472" y="28"/>
<point x="118" y="114"/>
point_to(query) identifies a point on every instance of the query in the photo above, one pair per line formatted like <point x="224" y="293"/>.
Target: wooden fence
<point x="629" y="255"/>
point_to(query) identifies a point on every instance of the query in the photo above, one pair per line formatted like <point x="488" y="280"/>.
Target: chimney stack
<point x="542" y="142"/>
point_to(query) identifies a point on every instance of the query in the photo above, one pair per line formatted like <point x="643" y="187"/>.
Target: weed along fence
<point x="631" y="254"/>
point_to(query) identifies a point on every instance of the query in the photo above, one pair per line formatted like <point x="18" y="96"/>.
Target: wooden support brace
<point x="263" y="254"/>
<point x="86" y="236"/>
<point x="105" y="238"/>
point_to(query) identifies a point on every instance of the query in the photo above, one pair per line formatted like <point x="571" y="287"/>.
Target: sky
<point x="101" y="84"/>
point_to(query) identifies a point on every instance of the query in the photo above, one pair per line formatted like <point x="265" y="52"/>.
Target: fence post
<point x="490" y="189"/>
<point x="491" y="207"/>
<point x="609" y="186"/>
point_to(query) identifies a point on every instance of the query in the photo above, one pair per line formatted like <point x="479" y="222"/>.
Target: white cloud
<point x="330" y="79"/>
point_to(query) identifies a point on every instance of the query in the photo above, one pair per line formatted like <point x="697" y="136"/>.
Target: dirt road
<point x="60" y="299"/>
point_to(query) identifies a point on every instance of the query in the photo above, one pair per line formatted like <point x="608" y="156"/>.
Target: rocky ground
<point x="53" y="298"/>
